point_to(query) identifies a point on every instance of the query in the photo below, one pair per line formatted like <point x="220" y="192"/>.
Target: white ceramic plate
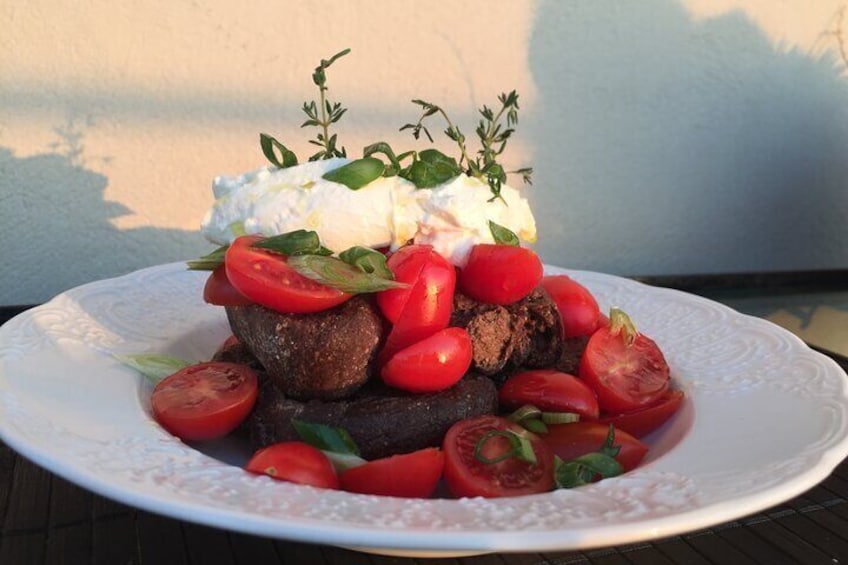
<point x="765" y="419"/>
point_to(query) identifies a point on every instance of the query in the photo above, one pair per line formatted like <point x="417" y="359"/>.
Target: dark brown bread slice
<point x="326" y="355"/>
<point x="525" y="334"/>
<point x="382" y="421"/>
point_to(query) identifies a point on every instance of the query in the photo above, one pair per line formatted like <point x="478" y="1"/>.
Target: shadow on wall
<point x="667" y="145"/>
<point x="56" y="194"/>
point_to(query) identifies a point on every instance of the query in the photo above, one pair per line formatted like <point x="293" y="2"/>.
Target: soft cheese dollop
<point x="388" y="212"/>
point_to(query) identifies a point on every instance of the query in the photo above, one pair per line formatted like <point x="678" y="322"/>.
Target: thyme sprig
<point x="321" y="114"/>
<point x="493" y="139"/>
<point x="331" y="112"/>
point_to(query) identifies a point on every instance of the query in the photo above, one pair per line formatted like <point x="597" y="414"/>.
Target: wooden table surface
<point x="46" y="519"/>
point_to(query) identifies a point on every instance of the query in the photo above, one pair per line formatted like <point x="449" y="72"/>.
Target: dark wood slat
<point x="797" y="548"/>
<point x="8" y="460"/>
<point x="679" y="551"/>
<point x="23" y="548"/>
<point x="823" y="540"/>
<point x="253" y="550"/>
<point x="752" y="545"/>
<point x="114" y="540"/>
<point x="294" y="552"/>
<point x="207" y="545"/>
<point x="646" y="555"/>
<point x="716" y="550"/>
<point x="160" y="540"/>
<point x="29" y="499"/>
<point x="69" y="545"/>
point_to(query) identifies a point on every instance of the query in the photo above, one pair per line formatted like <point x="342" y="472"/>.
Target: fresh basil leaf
<point x="210" y="261"/>
<point x="153" y="366"/>
<point x="367" y="260"/>
<point x="583" y="470"/>
<point x="502" y="235"/>
<point x="326" y="438"/>
<point x="337" y="274"/>
<point x="432" y="168"/>
<point x="358" y="173"/>
<point x="269" y="146"/>
<point x="385" y="149"/>
<point x="298" y="242"/>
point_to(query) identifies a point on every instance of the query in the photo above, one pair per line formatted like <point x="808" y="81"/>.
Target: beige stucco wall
<point x="667" y="136"/>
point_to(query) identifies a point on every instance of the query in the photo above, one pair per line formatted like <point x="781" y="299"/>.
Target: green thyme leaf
<point x="270" y="146"/>
<point x="153" y="366"/>
<point x="502" y="235"/>
<point x="326" y="438"/>
<point x="210" y="261"/>
<point x="358" y="173"/>
<point x="367" y="260"/>
<point x="337" y="274"/>
<point x="298" y="242"/>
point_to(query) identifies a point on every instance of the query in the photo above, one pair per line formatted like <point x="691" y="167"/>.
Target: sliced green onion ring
<point x="521" y="448"/>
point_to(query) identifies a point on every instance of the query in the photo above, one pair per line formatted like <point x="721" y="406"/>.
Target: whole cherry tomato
<point x="500" y="274"/>
<point x="578" y="309"/>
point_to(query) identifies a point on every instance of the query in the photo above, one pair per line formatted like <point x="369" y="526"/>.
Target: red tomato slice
<point x="204" y="401"/>
<point x="643" y="421"/>
<point x="466" y="475"/>
<point x="295" y="462"/>
<point x="434" y="363"/>
<point x="578" y="309"/>
<point x="624" y="377"/>
<point x="569" y="441"/>
<point x="549" y="391"/>
<point x="425" y="306"/>
<point x="220" y="292"/>
<point x="500" y="274"/>
<point x="411" y="475"/>
<point x="265" y="278"/>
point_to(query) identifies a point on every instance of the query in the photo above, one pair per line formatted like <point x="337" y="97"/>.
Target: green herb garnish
<point x="493" y="138"/>
<point x="357" y="174"/>
<point x="586" y="468"/>
<point x="337" y="274"/>
<point x="153" y="366"/>
<point x="502" y="235"/>
<point x="210" y="261"/>
<point x="326" y="438"/>
<point x="367" y="260"/>
<point x="520" y="448"/>
<point x="298" y="242"/>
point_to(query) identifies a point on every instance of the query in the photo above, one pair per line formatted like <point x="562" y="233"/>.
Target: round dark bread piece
<point x="326" y="355"/>
<point x="524" y="334"/>
<point x="382" y="421"/>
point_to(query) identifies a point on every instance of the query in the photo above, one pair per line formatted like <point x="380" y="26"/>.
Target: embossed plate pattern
<point x="764" y="420"/>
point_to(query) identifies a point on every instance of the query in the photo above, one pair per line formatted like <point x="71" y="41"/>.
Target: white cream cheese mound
<point x="452" y="217"/>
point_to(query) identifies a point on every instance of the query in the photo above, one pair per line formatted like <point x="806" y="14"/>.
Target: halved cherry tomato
<point x="467" y="475"/>
<point x="410" y="475"/>
<point x="424" y="307"/>
<point x="434" y="363"/>
<point x="204" y="401"/>
<point x="624" y="377"/>
<point x="265" y="278"/>
<point x="549" y="391"/>
<point x="569" y="441"/>
<point x="578" y="309"/>
<point x="295" y="462"/>
<point x="220" y="292"/>
<point x="645" y="420"/>
<point x="500" y="274"/>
